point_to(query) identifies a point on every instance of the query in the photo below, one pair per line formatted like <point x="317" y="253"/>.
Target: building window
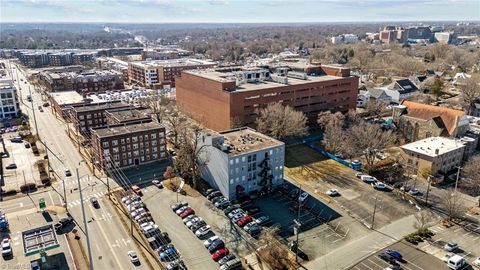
<point x="237" y="160"/>
<point x="105" y="144"/>
<point x="154" y="156"/>
<point x="122" y="141"/>
<point x="153" y="135"/>
<point x="154" y="143"/>
<point x="115" y="142"/>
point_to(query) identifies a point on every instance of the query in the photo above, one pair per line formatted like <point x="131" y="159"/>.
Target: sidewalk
<point x="347" y="255"/>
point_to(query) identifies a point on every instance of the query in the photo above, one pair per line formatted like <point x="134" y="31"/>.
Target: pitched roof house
<point x="401" y="89"/>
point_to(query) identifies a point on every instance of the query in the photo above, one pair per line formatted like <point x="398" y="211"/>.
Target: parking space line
<point x="372" y="261"/>
<point x="458" y="229"/>
<point x="467" y="233"/>
<point x="366" y="266"/>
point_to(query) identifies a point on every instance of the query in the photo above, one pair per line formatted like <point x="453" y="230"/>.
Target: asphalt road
<point x="110" y="242"/>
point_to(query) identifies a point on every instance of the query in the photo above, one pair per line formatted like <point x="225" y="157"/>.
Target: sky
<point x="237" y="11"/>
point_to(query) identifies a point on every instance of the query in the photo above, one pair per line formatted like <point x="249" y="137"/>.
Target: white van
<point x="368" y="179"/>
<point x="456" y="262"/>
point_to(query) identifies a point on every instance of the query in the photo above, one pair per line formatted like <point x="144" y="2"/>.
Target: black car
<point x="213" y="195"/>
<point x="230" y="208"/>
<point x="66" y="221"/>
<point x="198" y="225"/>
<point x="253" y="210"/>
<point x="254" y="230"/>
<point x="216" y="245"/>
<point x="94" y="202"/>
<point x="388" y="258"/>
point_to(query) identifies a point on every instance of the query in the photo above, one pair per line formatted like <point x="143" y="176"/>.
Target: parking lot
<point x="357" y="198"/>
<point x="414" y="259"/>
<point x="467" y="240"/>
<point x="26" y="171"/>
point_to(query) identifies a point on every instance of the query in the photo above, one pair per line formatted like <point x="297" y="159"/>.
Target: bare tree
<point x="236" y="122"/>
<point x="190" y="155"/>
<point x="424" y="219"/>
<point x="367" y="140"/>
<point x="169" y="173"/>
<point x="471" y="173"/>
<point x="332" y="125"/>
<point x="279" y="121"/>
<point x="274" y="253"/>
<point x="471" y="92"/>
<point x="453" y="204"/>
<point x="375" y="107"/>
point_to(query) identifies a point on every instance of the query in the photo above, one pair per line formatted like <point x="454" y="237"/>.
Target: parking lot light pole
<point x="456" y="180"/>
<point x="429" y="179"/>
<point x="374" y="211"/>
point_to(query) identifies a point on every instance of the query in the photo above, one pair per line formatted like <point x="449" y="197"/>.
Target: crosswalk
<point x="72" y="182"/>
<point x="87" y="198"/>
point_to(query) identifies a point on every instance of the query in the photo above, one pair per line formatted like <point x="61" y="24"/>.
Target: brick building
<point x="92" y="115"/>
<point x="220" y="97"/>
<point x="128" y="145"/>
<point x="82" y="81"/>
<point x="43" y="58"/>
<point x="158" y="73"/>
<point x="127" y="116"/>
<point x="419" y="121"/>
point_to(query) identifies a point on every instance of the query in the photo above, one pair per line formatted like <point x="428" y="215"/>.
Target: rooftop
<point x="122" y="115"/>
<point x="37" y="239"/>
<point x="225" y="77"/>
<point x="67" y="97"/>
<point x="433" y="146"/>
<point x="104" y="106"/>
<point x="117" y="130"/>
<point x="245" y="140"/>
<point x="173" y="63"/>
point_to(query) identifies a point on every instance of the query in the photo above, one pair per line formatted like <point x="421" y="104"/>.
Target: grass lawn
<point x="304" y="164"/>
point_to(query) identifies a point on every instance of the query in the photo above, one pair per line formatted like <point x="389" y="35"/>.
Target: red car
<point x="220" y="254"/>
<point x="242" y="222"/>
<point x="187" y="213"/>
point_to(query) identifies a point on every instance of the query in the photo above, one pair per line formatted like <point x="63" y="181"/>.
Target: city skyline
<point x="231" y="11"/>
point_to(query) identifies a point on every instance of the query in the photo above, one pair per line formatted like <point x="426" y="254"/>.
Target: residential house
<point x="401" y="89"/>
<point x="363" y="98"/>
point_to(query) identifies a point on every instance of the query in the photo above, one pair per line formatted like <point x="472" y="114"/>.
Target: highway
<point x="109" y="240"/>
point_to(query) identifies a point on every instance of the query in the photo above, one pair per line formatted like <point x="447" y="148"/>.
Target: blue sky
<point x="161" y="11"/>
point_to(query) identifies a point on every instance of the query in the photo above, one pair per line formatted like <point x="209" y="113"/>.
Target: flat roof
<point x="173" y="62"/>
<point x="230" y="77"/>
<point x="430" y="146"/>
<point x="246" y="140"/>
<point x="130" y="114"/>
<point x="117" y="130"/>
<point x="66" y="97"/>
<point x="38" y="239"/>
<point x="104" y="106"/>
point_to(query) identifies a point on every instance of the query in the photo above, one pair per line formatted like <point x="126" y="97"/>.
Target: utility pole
<point x="85" y="223"/>
<point x="64" y="193"/>
<point x="429" y="179"/>
<point x="456" y="181"/>
<point x="297" y="224"/>
<point x="33" y="112"/>
<point x="374" y="211"/>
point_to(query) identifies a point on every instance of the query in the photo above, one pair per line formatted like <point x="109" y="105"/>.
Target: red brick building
<point x="218" y="98"/>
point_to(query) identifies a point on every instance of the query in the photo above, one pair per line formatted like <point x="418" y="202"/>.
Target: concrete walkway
<point x="348" y="255"/>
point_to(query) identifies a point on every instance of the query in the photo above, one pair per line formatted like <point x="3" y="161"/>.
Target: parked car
<point x="368" y="179"/>
<point x="252" y="210"/>
<point x="379" y="185"/>
<point x="358" y="174"/>
<point x="209" y="191"/>
<point x="94" y="202"/>
<point x="394" y="253"/>
<point x="6" y="248"/>
<point x="450" y="246"/>
<point x="187" y="212"/>
<point x="230" y="208"/>
<point x="142" y="215"/>
<point x="189" y="218"/>
<point x="178" y="205"/>
<point x="67" y="172"/>
<point x="210" y="240"/>
<point x="217" y="255"/>
<point x="26" y="144"/>
<point x="11" y="166"/>
<point x="132" y="255"/>
<point x="235" y="212"/>
<point x="227" y="258"/>
<point x="243" y="221"/>
<point x="150" y="229"/>
<point x="216" y="245"/>
<point x="137" y="190"/>
<point x="414" y="192"/>
<point x="181" y="209"/>
<point x="169" y="253"/>
<point x="223" y="204"/>
<point x="262" y="220"/>
<point x="303" y="197"/>
<point x="232" y="264"/>
<point x="332" y="192"/>
<point x="157" y="183"/>
<point x="197" y="226"/>
<point x="387" y="258"/>
<point x="218" y="200"/>
<point x="194" y="221"/>
<point x="213" y="195"/>
<point x="146" y="224"/>
<point x="16" y="139"/>
<point x="238" y="217"/>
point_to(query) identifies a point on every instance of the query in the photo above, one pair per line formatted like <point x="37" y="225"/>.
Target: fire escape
<point x="265" y="174"/>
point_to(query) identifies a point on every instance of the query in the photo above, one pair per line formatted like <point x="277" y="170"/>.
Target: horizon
<point x="236" y="11"/>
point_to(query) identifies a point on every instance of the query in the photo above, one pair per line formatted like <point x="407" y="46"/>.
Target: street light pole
<point x="374" y="211"/>
<point x="456" y="181"/>
<point x="85" y="223"/>
<point x="429" y="179"/>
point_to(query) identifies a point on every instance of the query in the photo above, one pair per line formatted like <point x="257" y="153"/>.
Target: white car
<point x="133" y="256"/>
<point x="477" y="262"/>
<point x="150" y="229"/>
<point x="450" y="246"/>
<point x="157" y="183"/>
<point x="332" y="192"/>
<point x="6" y="247"/>
<point x="137" y="212"/>
<point x="303" y="197"/>
<point x="368" y="179"/>
<point x="235" y="212"/>
<point x="183" y="208"/>
<point x="203" y="231"/>
<point x="379" y="185"/>
<point x="210" y="240"/>
<point x="146" y="224"/>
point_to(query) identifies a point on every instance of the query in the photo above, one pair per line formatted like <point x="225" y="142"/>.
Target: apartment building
<point x="9" y="106"/>
<point x="92" y="115"/>
<point x="127" y="116"/>
<point x="434" y="154"/>
<point x="159" y="73"/>
<point x="43" y="58"/>
<point x="241" y="161"/>
<point x="222" y="96"/>
<point x="164" y="53"/>
<point x="82" y="81"/>
<point x="123" y="146"/>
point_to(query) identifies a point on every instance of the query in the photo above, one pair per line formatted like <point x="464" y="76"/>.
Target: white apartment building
<point x="9" y="107"/>
<point x="241" y="161"/>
